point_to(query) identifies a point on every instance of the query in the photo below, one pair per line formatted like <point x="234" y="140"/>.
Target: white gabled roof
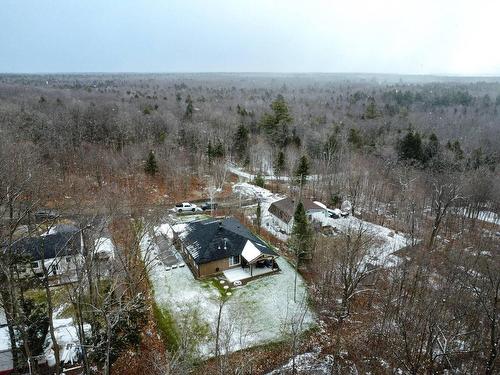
<point x="321" y="205"/>
<point x="250" y="252"/>
<point x="104" y="246"/>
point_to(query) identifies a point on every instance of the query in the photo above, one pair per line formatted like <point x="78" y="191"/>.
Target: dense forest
<point x="418" y="155"/>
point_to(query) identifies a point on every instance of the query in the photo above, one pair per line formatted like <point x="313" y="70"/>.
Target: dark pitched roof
<point x="49" y="246"/>
<point x="214" y="239"/>
<point x="284" y="209"/>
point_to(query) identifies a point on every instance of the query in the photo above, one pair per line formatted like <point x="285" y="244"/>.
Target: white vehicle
<point x="187" y="207"/>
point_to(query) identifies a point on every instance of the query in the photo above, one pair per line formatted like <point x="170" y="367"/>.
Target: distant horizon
<point x="444" y="75"/>
<point x="449" y="38"/>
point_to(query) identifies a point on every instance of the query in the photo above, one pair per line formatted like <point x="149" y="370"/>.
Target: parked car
<point x="46" y="214"/>
<point x="207" y="206"/>
<point x="187" y="207"/>
<point x="335" y="213"/>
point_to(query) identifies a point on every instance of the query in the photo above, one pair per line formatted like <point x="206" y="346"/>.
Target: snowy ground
<point x="262" y="311"/>
<point x="307" y="363"/>
<point x="487" y="216"/>
<point x="388" y="240"/>
<point x="266" y="199"/>
<point x="249" y="176"/>
<point x="67" y="339"/>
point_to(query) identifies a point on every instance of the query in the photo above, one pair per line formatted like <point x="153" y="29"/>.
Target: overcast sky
<point x="456" y="37"/>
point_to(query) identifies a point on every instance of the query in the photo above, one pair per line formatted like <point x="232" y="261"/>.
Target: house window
<point x="34" y="264"/>
<point x="234" y="260"/>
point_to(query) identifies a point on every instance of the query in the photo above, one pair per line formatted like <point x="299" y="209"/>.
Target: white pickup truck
<point x="187" y="207"/>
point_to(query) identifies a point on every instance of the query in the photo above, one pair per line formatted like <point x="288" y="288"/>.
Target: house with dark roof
<point x="60" y="251"/>
<point x="282" y="212"/>
<point x="212" y="246"/>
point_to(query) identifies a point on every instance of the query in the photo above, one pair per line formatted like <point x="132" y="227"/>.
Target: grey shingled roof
<point x="284" y="209"/>
<point x="60" y="244"/>
<point x="213" y="239"/>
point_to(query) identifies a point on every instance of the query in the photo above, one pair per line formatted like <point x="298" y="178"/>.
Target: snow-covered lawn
<point x="259" y="312"/>
<point x="388" y="241"/>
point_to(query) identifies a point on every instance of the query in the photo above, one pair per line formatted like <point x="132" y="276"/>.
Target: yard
<point x="388" y="241"/>
<point x="259" y="312"/>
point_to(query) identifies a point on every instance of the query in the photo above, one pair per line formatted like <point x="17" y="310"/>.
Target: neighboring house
<point x="104" y="254"/>
<point x="212" y="246"/>
<point x="282" y="212"/>
<point x="60" y="251"/>
<point x="6" y="364"/>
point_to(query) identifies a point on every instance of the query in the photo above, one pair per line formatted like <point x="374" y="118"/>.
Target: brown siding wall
<point x="208" y="269"/>
<point x="211" y="268"/>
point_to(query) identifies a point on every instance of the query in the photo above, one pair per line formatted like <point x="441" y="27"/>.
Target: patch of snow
<point x="346" y="206"/>
<point x="266" y="199"/>
<point x="487" y="216"/>
<point x="4" y="339"/>
<point x="389" y="241"/>
<point x="67" y="339"/>
<point x="3" y="318"/>
<point x="270" y="177"/>
<point x="180" y="229"/>
<point x="166" y="230"/>
<point x="307" y="363"/>
<point x="60" y="309"/>
<point x="254" y="191"/>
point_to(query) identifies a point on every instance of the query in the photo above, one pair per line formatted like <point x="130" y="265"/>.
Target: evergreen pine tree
<point x="279" y="163"/>
<point x="410" y="147"/>
<point x="302" y="170"/>
<point x="240" y="142"/>
<point x="371" y="110"/>
<point x="151" y="167"/>
<point x="259" y="180"/>
<point x="189" y="108"/>
<point x="300" y="240"/>
<point x="275" y="124"/>
<point x="281" y="111"/>
<point x="355" y="138"/>
<point x="258" y="215"/>
<point x="431" y="148"/>
<point x="218" y="150"/>
<point x="301" y="232"/>
<point x="457" y="149"/>
<point x="210" y="152"/>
